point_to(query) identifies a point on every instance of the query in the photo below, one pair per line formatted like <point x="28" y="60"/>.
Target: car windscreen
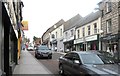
<point x="107" y="59"/>
<point x="43" y="48"/>
<point x="91" y="59"/>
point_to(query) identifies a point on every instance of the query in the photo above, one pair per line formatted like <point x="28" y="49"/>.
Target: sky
<point x="42" y="14"/>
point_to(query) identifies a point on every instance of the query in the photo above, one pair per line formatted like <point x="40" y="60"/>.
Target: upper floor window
<point x="53" y="36"/>
<point x="89" y="30"/>
<point x="95" y="28"/>
<point x="78" y="32"/>
<point x="118" y="4"/>
<point x="71" y="32"/>
<point x="60" y="32"/>
<point x="109" y="8"/>
<point x="56" y="34"/>
<point x="109" y="26"/>
<point x="66" y="34"/>
<point x="83" y="30"/>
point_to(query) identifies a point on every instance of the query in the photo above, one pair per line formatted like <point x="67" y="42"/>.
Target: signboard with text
<point x="25" y="25"/>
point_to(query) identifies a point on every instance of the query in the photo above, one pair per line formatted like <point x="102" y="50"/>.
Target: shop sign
<point x="64" y="40"/>
<point x="78" y="41"/>
<point x="71" y="38"/>
<point x="109" y="37"/>
<point x="91" y="38"/>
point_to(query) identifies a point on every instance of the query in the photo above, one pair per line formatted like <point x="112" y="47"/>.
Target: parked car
<point x="107" y="57"/>
<point x="86" y="63"/>
<point x="30" y="48"/>
<point x="43" y="51"/>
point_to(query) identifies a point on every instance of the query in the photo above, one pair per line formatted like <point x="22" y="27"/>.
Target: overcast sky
<point x="42" y="14"/>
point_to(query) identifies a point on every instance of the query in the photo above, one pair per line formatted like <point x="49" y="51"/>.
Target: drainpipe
<point x="118" y="38"/>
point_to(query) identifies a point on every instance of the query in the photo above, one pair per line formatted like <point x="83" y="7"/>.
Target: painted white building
<point x="87" y="32"/>
<point x="56" y="36"/>
<point x="69" y="33"/>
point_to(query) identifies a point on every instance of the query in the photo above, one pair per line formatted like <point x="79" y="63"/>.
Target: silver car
<point x="43" y="51"/>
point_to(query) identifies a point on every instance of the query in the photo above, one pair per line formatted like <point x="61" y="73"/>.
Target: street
<point x="50" y="64"/>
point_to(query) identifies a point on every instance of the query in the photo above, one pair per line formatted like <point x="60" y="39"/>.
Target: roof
<point x="71" y="22"/>
<point x="89" y="18"/>
<point x="59" y="23"/>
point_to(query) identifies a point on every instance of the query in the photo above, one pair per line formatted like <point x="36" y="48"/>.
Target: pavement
<point x="29" y="65"/>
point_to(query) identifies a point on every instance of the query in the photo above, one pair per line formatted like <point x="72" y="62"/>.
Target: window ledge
<point x="108" y="12"/>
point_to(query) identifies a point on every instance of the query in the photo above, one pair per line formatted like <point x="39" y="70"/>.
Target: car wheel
<point x="61" y="71"/>
<point x="36" y="56"/>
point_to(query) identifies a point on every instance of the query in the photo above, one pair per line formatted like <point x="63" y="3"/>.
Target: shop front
<point x="87" y="43"/>
<point x="9" y="44"/>
<point x="1" y="44"/>
<point x="93" y="45"/>
<point x="69" y="45"/>
<point x="54" y="44"/>
<point x="110" y="43"/>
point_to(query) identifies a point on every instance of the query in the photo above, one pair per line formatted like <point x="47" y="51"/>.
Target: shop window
<point x="109" y="26"/>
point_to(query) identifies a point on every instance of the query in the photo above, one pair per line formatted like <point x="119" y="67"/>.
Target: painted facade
<point x="87" y="33"/>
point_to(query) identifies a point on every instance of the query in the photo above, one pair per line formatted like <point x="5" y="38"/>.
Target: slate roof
<point x="60" y="22"/>
<point x="89" y="18"/>
<point x="71" y="22"/>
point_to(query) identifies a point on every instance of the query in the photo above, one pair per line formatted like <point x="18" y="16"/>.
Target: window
<point x="61" y="32"/>
<point x="89" y="30"/>
<point x="71" y="32"/>
<point x="66" y="34"/>
<point x="53" y="36"/>
<point x="95" y="28"/>
<point x="119" y="4"/>
<point x="91" y="59"/>
<point x="56" y="34"/>
<point x="68" y="56"/>
<point x="78" y="32"/>
<point x="108" y="5"/>
<point x="109" y="26"/>
<point x="76" y="56"/>
<point x="83" y="30"/>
